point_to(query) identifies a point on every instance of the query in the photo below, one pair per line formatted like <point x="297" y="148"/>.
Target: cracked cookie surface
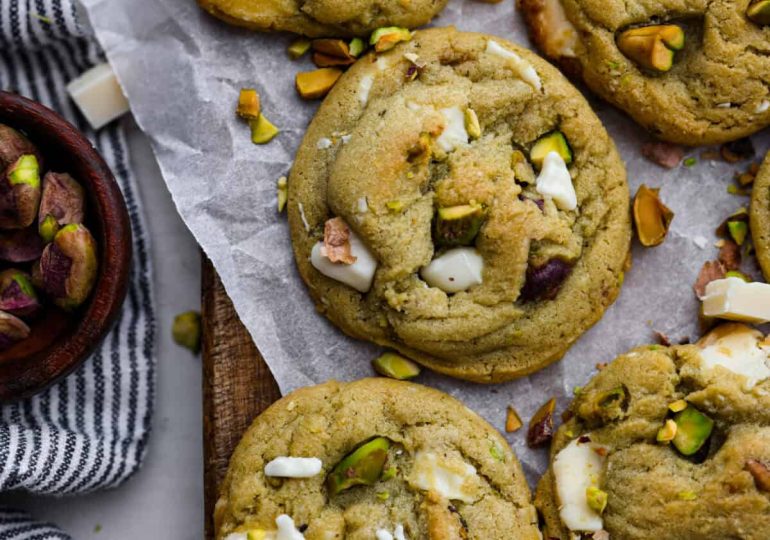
<point x="760" y="216"/>
<point x="324" y="18"/>
<point x="448" y="474"/>
<point x="718" y="88"/>
<point x="396" y="143"/>
<point x="652" y="490"/>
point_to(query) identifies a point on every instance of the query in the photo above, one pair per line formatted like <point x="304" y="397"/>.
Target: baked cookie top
<point x="456" y="199"/>
<point x="690" y="71"/>
<point x="760" y="216"/>
<point x="373" y="459"/>
<point x="667" y="443"/>
<point x="324" y="18"/>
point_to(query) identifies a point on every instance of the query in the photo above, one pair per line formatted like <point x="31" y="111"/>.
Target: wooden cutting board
<point x="237" y="385"/>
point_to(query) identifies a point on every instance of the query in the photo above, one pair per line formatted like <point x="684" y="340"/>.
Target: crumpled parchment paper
<point x="182" y="69"/>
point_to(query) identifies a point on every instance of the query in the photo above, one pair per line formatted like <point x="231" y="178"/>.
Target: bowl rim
<point x="23" y="378"/>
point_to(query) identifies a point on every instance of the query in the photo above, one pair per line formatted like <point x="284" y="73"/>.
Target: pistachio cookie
<point x="760" y="216"/>
<point x="694" y="72"/>
<point x="324" y="18"/>
<point x="667" y="442"/>
<point x="361" y="461"/>
<point x="456" y="199"/>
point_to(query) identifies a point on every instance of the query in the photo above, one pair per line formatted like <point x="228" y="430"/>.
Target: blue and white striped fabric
<point x="89" y="431"/>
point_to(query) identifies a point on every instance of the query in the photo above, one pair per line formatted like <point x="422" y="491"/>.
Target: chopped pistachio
<point x="732" y="189"/>
<point x="395" y="206"/>
<point x="512" y="420"/>
<point x="248" y="104"/>
<point x="262" y="130"/>
<point x="651" y="216"/>
<point x="362" y="466"/>
<point x="687" y="495"/>
<point x="395" y="366"/>
<point x="472" y="125"/>
<point x="689" y="162"/>
<point x="299" y="47"/>
<point x="496" y="452"/>
<point x="596" y="499"/>
<point x="356" y="47"/>
<point x="386" y="38"/>
<point x="186" y="330"/>
<point x="522" y="169"/>
<point x="759" y="12"/>
<point x="576" y="391"/>
<point x="738" y="274"/>
<point x="667" y="433"/>
<point x="678" y="405"/>
<point x="316" y="84"/>
<point x="389" y="473"/>
<point x="738" y="231"/>
<point x="283" y="193"/>
<point x="693" y="429"/>
<point x="652" y="47"/>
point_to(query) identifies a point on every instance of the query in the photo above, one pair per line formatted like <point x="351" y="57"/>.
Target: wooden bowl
<point x="60" y="341"/>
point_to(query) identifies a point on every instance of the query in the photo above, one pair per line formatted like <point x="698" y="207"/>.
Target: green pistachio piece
<point x="693" y="428"/>
<point x="458" y="225"/>
<point x="186" y="330"/>
<point x="395" y="366"/>
<point x="356" y="46"/>
<point x="759" y="12"/>
<point x="472" y="125"/>
<point x="262" y="130"/>
<point x="554" y="141"/>
<point x="363" y="466"/>
<point x="667" y="433"/>
<point x="652" y="47"/>
<point x="386" y="38"/>
<point x="299" y="47"/>
<point x="596" y="499"/>
<point x="738" y="231"/>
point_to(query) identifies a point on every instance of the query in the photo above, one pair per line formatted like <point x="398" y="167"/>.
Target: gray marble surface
<point x="165" y="498"/>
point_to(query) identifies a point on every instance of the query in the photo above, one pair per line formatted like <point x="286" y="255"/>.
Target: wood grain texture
<point x="237" y="384"/>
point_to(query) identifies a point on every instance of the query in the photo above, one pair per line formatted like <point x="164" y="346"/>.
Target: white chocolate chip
<point x="576" y="468"/>
<point x="293" y="467"/>
<point x="384" y="534"/>
<point x="456" y="270"/>
<point x="554" y="181"/>
<point x="522" y="68"/>
<point x="726" y="105"/>
<point x="763" y="106"/>
<point x="358" y="275"/>
<point x="739" y="350"/>
<point x="362" y="206"/>
<point x="452" y="479"/>
<point x="302" y="216"/>
<point x="323" y="143"/>
<point x="454" y="133"/>
<point x="98" y="95"/>
<point x="286" y="529"/>
<point x="734" y="299"/>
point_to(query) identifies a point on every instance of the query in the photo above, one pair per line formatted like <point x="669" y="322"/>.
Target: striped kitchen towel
<point x="90" y="430"/>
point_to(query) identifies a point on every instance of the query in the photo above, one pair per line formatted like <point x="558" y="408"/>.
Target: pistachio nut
<point x="67" y="268"/>
<point x="362" y="466"/>
<point x="652" y="47"/>
<point x="20" y="193"/>
<point x="395" y="366"/>
<point x="17" y="295"/>
<point x="62" y="203"/>
<point x="186" y="330"/>
<point x="316" y="84"/>
<point x="12" y="330"/>
<point x="13" y="145"/>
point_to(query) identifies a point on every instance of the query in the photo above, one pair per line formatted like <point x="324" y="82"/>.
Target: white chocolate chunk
<point x="738" y="348"/>
<point x="456" y="270"/>
<point x="454" y="133"/>
<point x="522" y="68"/>
<point x="364" y="87"/>
<point x="98" y="95"/>
<point x="323" y="143"/>
<point x="293" y="467"/>
<point x="576" y="468"/>
<point x="358" y="275"/>
<point x="554" y="181"/>
<point x="763" y="106"/>
<point x="384" y="534"/>
<point x="237" y="536"/>
<point x="286" y="529"/>
<point x="452" y="479"/>
<point x="734" y="299"/>
<point x="398" y="533"/>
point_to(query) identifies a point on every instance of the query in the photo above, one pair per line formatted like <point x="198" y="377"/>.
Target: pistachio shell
<point x="651" y="216"/>
<point x="13" y="145"/>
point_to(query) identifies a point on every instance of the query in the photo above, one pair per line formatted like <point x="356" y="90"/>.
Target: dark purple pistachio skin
<point x="68" y="267"/>
<point x="543" y="282"/>
<point x="16" y="299"/>
<point x="21" y="245"/>
<point x="12" y="330"/>
<point x="62" y="198"/>
<point x="13" y="145"/>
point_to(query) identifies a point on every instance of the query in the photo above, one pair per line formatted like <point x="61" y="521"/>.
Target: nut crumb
<point x="664" y="154"/>
<point x="711" y="271"/>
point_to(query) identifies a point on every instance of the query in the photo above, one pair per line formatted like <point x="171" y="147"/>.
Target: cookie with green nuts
<point x="359" y="460"/>
<point x="474" y="219"/>
<point x="324" y="18"/>
<point x="759" y="216"/>
<point x="691" y="73"/>
<point x="667" y="442"/>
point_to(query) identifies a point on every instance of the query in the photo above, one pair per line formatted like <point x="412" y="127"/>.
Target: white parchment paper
<point x="182" y="70"/>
